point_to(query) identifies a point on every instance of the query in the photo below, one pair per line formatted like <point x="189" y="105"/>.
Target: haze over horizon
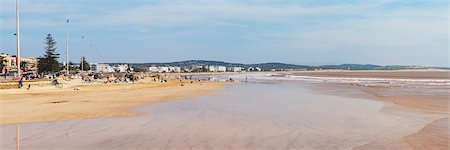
<point x="303" y="32"/>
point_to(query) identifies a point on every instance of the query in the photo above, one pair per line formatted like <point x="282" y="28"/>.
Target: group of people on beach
<point x="123" y="78"/>
<point x="112" y="78"/>
<point x="96" y="78"/>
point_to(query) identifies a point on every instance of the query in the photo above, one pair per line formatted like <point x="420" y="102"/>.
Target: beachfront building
<point x="121" y="68"/>
<point x="163" y="69"/>
<point x="153" y="69"/>
<point x="29" y="65"/>
<point x="101" y="68"/>
<point x="9" y="63"/>
<point x="234" y="69"/>
<point x="74" y="66"/>
<point x="175" y="69"/>
<point x="8" y="60"/>
<point x="186" y="69"/>
<point x="217" y="68"/>
<point x="254" y="69"/>
<point x="199" y="68"/>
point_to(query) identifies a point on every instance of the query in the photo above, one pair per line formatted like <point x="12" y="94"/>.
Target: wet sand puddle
<point x="244" y="116"/>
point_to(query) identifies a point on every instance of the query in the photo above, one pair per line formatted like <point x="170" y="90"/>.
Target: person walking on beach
<point x="20" y="82"/>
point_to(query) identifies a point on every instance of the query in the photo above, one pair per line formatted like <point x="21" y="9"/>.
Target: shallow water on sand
<point x="243" y="116"/>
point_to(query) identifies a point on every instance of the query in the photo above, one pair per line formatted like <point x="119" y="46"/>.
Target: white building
<point x="104" y="68"/>
<point x="254" y="69"/>
<point x="164" y="69"/>
<point x="184" y="69"/>
<point x="217" y="68"/>
<point x="221" y="69"/>
<point x="198" y="68"/>
<point x="120" y="68"/>
<point x="153" y="69"/>
<point x="234" y="69"/>
<point x="175" y="69"/>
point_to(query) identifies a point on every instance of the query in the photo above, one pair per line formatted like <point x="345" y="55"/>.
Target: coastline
<point x="49" y="103"/>
<point x="406" y="126"/>
<point x="435" y="134"/>
<point x="253" y="115"/>
<point x="395" y="87"/>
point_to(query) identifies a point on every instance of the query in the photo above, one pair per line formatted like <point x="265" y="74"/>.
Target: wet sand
<point x="267" y="115"/>
<point x="399" y="74"/>
<point x="434" y="135"/>
<point x="423" y="91"/>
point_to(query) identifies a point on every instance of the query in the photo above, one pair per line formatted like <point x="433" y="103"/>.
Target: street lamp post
<point x="91" y="56"/>
<point x="67" y="47"/>
<point x="18" y="38"/>
<point x="82" y="54"/>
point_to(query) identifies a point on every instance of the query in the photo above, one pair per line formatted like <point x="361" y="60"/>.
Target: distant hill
<point x="269" y="66"/>
<point x="352" y="66"/>
<point x="370" y="67"/>
<point x="278" y="66"/>
<point x="190" y="63"/>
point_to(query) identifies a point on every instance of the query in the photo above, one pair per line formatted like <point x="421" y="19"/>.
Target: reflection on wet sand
<point x="424" y="91"/>
<point x="245" y="116"/>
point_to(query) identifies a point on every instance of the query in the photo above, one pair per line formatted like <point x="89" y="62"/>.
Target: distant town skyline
<point x="384" y="32"/>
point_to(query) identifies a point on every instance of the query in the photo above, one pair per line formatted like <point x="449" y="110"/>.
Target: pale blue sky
<point x="385" y="32"/>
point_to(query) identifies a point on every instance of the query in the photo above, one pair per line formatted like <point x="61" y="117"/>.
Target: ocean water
<point x="321" y="79"/>
<point x="412" y="86"/>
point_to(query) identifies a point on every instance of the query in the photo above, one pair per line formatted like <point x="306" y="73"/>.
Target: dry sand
<point x="47" y="103"/>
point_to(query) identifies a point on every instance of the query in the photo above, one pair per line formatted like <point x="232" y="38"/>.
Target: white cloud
<point x="269" y="25"/>
<point x="174" y="14"/>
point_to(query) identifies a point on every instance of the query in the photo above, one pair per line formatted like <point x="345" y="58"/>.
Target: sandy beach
<point x="224" y="75"/>
<point x="48" y="103"/>
<point x="282" y="111"/>
<point x="416" y="90"/>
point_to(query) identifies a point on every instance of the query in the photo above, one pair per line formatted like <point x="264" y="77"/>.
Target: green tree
<point x="137" y="69"/>
<point x="1" y="63"/>
<point x="49" y="62"/>
<point x="72" y="66"/>
<point x="86" y="66"/>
